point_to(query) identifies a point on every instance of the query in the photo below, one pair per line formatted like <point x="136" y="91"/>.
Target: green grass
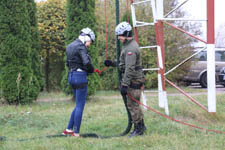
<point x="170" y="89"/>
<point x="105" y="115"/>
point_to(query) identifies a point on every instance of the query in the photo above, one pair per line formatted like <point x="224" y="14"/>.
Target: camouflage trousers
<point x="133" y="106"/>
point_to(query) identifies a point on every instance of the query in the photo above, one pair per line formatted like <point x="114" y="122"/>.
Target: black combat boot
<point x="135" y="127"/>
<point x="143" y="127"/>
<point x="137" y="130"/>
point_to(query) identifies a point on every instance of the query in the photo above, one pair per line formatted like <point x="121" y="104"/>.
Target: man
<point x="132" y="75"/>
<point x="79" y="64"/>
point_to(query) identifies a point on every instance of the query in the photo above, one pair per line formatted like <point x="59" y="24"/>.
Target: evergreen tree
<point x="51" y="23"/>
<point x="18" y="83"/>
<point x="81" y="14"/>
<point x="36" y="45"/>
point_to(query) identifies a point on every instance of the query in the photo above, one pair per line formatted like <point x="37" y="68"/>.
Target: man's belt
<point x="136" y="85"/>
<point x="138" y="68"/>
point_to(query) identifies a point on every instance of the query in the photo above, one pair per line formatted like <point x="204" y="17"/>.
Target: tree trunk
<point x="47" y="71"/>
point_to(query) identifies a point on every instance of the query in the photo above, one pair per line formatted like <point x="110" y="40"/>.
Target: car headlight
<point x="222" y="71"/>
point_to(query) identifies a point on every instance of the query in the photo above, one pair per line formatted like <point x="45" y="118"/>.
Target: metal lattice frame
<point x="159" y="21"/>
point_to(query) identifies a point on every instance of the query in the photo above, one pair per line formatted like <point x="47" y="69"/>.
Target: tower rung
<point x="151" y="69"/>
<point x="181" y="19"/>
<point x="141" y="24"/>
<point x="148" y="47"/>
<point x="141" y="2"/>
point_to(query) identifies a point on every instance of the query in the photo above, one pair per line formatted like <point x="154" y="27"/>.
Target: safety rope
<point x="93" y="135"/>
<point x="106" y="31"/>
<point x="165" y="116"/>
<point x="124" y="97"/>
<point x="106" y="40"/>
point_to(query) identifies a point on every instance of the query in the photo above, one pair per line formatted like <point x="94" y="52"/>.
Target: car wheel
<point x="203" y="80"/>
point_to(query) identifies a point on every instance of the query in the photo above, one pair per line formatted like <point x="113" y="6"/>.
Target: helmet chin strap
<point x="127" y="39"/>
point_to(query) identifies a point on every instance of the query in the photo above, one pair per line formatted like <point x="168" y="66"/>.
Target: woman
<point x="79" y="63"/>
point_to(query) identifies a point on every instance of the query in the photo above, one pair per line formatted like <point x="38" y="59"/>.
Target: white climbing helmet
<point x="124" y="29"/>
<point x="87" y="31"/>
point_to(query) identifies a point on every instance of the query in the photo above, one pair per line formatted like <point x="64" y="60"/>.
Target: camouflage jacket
<point x="130" y="63"/>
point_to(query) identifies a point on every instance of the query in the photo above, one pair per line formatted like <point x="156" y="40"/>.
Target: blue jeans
<point x="80" y="94"/>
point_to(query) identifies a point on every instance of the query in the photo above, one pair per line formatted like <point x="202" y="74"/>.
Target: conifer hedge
<point x="35" y="43"/>
<point x="81" y="14"/>
<point x="17" y="80"/>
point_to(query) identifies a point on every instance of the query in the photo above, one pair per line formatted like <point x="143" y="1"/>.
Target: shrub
<point x="35" y="41"/>
<point x="18" y="83"/>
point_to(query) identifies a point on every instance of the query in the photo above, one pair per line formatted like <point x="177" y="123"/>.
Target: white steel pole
<point x="211" y="57"/>
<point x="159" y="7"/>
<point x="133" y="15"/>
<point x="159" y="53"/>
<point x="144" y="100"/>
<point x="160" y="87"/>
<point x="160" y="42"/>
<point x="154" y="13"/>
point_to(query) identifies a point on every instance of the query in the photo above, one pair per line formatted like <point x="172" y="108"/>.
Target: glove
<point x="123" y="90"/>
<point x="98" y="71"/>
<point x="67" y="64"/>
<point x="108" y="63"/>
<point x="90" y="68"/>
